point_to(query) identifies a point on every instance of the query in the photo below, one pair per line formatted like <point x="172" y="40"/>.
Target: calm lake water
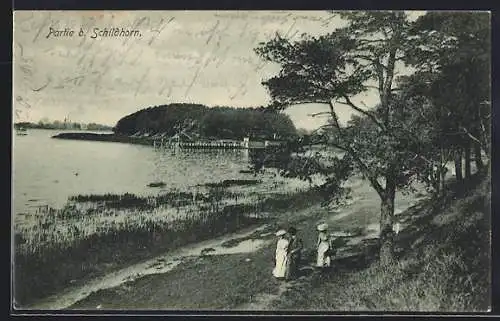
<point x="47" y="171"/>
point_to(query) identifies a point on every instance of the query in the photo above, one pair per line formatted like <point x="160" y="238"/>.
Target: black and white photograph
<point x="242" y="161"/>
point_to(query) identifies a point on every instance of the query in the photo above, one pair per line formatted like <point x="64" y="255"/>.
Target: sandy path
<point x="161" y="264"/>
<point x="167" y="262"/>
<point x="264" y="301"/>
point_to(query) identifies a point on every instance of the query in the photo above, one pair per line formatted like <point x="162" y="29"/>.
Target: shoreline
<point x="152" y="141"/>
<point x="113" y="138"/>
<point x="426" y="277"/>
<point x="97" y="255"/>
<point x="256" y="260"/>
<point x="168" y="261"/>
<point x="302" y="207"/>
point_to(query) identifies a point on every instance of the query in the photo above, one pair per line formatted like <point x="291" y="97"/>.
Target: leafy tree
<point x="46" y="124"/>
<point x="421" y="119"/>
<point x="455" y="49"/>
<point x="202" y="121"/>
<point x="333" y="68"/>
<point x="428" y="124"/>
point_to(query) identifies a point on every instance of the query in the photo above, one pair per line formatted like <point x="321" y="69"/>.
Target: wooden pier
<point x="214" y="144"/>
<point x="210" y="145"/>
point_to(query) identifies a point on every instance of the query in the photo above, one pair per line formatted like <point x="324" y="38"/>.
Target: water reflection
<point x="47" y="171"/>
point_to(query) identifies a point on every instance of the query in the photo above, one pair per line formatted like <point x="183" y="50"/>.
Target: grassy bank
<point x="97" y="234"/>
<point x="443" y="263"/>
<point x="443" y="260"/>
<point x="208" y="282"/>
<point x="226" y="281"/>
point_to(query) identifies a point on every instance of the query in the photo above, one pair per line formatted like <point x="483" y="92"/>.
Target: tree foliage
<point x="339" y="65"/>
<point x="202" y="121"/>
<point x="406" y="136"/>
<point x="456" y="51"/>
<point x="56" y="124"/>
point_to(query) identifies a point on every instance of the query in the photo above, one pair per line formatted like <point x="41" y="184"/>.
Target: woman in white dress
<point x="281" y="255"/>
<point x="323" y="247"/>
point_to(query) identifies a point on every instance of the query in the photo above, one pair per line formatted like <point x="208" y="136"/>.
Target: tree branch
<point x="390" y="74"/>
<point x="388" y="83"/>
<point x="422" y="157"/>
<point x="320" y="113"/>
<point x="380" y="78"/>
<point x="484" y="134"/>
<point x="472" y="136"/>
<point x="321" y="127"/>
<point x="345" y="149"/>
<point x="307" y="101"/>
<point x="348" y="102"/>
<point x="364" y="169"/>
<point x="335" y="119"/>
<point x="375" y="87"/>
<point x="374" y="61"/>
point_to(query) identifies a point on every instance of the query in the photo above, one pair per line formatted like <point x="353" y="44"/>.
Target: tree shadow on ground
<point x="456" y="211"/>
<point x="425" y="226"/>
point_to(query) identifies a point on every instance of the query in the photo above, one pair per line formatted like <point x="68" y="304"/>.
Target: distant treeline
<point x="61" y="125"/>
<point x="207" y="122"/>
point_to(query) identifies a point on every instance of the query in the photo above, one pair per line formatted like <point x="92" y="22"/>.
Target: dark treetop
<point x="207" y="122"/>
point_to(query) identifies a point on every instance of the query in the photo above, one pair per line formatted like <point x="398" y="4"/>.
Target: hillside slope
<point x="443" y="263"/>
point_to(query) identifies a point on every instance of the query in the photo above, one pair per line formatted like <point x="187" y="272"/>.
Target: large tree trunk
<point x="386" y="221"/>
<point x="458" y="164"/>
<point x="436" y="181"/>
<point x="442" y="179"/>
<point x="467" y="156"/>
<point x="442" y="170"/>
<point x="477" y="157"/>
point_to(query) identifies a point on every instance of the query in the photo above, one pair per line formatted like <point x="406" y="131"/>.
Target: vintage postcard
<point x="251" y="161"/>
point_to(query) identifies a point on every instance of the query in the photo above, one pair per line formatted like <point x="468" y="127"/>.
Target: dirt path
<point x="233" y="272"/>
<point x="266" y="301"/>
<point x="158" y="265"/>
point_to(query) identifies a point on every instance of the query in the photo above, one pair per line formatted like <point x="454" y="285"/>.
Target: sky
<point x="201" y="57"/>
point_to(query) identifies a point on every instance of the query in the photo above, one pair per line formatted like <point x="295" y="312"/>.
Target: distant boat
<point x="21" y="131"/>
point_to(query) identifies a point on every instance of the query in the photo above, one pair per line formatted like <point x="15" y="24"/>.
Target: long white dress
<point x="281" y="258"/>
<point x="323" y="260"/>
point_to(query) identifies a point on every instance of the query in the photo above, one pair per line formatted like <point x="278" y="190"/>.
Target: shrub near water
<point x="234" y="182"/>
<point x="84" y="254"/>
<point x="97" y="232"/>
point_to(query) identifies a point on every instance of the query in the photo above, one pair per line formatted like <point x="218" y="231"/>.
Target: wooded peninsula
<point x="200" y="121"/>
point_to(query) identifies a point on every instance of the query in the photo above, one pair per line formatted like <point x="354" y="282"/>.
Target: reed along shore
<point x="93" y="235"/>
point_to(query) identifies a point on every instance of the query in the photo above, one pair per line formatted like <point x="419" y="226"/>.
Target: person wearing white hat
<point x="323" y="247"/>
<point x="281" y="258"/>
